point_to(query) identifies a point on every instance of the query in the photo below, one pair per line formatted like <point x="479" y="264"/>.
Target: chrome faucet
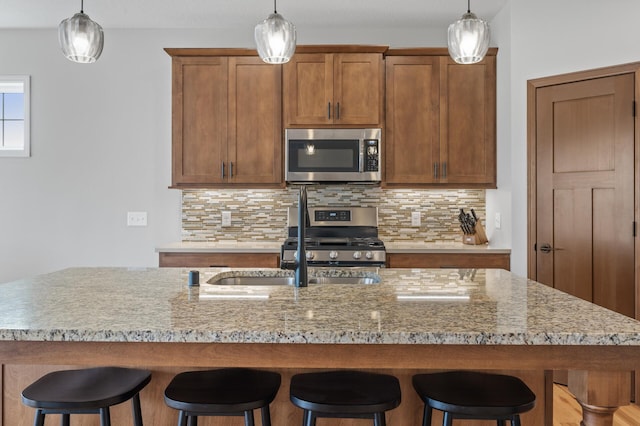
<point x="300" y="263"/>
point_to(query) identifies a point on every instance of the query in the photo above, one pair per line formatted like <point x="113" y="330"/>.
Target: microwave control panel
<point x="371" y="155"/>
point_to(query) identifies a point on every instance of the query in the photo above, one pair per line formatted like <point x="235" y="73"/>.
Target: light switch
<point x="415" y="218"/>
<point x="226" y="218"/>
<point x="136" y="218"/>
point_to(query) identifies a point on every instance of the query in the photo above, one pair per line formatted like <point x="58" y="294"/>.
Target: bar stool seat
<point x="473" y="395"/>
<point x="345" y="394"/>
<point x="223" y="392"/>
<point x="86" y="391"/>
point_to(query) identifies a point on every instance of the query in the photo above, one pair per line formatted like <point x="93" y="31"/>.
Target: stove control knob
<point x="310" y="255"/>
<point x="369" y="255"/>
<point x="357" y="255"/>
<point x="295" y="255"/>
<point x="333" y="254"/>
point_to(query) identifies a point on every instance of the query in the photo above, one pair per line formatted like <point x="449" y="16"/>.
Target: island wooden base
<point x="26" y="361"/>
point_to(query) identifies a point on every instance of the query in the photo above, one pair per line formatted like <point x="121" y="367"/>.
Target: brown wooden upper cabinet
<point x="440" y="120"/>
<point x="227" y="121"/>
<point x="334" y="89"/>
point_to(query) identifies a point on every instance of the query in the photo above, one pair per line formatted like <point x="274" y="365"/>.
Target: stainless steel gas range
<point x="336" y="236"/>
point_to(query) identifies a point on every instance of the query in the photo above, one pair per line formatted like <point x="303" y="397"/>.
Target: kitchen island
<point x="408" y="321"/>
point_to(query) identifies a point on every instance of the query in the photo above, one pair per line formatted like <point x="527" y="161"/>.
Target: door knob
<point x="546" y="248"/>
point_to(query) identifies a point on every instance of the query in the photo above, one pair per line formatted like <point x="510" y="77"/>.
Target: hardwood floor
<point x="567" y="412"/>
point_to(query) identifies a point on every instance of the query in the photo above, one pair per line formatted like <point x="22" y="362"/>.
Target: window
<point x="14" y="116"/>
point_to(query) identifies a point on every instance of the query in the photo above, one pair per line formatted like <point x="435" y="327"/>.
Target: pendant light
<point x="468" y="38"/>
<point x="275" y="38"/>
<point x="81" y="39"/>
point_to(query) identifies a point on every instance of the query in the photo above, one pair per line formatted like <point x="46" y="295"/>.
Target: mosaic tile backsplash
<point x="261" y="214"/>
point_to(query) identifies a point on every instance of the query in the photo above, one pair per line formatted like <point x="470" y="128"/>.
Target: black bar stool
<point x="223" y="392"/>
<point x="473" y="395"/>
<point x="345" y="394"/>
<point x="86" y="391"/>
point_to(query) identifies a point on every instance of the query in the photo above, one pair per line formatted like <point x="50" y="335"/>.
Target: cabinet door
<point x="308" y="89"/>
<point x="467" y="122"/>
<point x="412" y="119"/>
<point x="219" y="260"/>
<point x="357" y="89"/>
<point x="199" y="119"/>
<point x="449" y="260"/>
<point x="255" y="125"/>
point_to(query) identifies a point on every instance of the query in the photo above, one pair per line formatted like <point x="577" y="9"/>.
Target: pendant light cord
<point x="468" y="6"/>
<point x="81" y="6"/>
<point x="274" y="7"/>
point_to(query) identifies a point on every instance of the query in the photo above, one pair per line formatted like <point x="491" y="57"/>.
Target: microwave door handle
<point x="361" y="157"/>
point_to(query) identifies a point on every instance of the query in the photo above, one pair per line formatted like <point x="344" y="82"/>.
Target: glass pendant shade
<point x="81" y="39"/>
<point x="275" y="39"/>
<point x="468" y="39"/>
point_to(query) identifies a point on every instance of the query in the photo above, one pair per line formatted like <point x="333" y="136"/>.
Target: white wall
<point x="101" y="138"/>
<point x="498" y="201"/>
<point x="550" y="37"/>
<point x="100" y="147"/>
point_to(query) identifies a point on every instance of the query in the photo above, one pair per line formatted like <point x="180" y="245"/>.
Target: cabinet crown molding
<point x="316" y="48"/>
<point x="428" y="51"/>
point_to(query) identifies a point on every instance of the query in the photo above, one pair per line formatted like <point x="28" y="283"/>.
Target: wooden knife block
<point x="479" y="237"/>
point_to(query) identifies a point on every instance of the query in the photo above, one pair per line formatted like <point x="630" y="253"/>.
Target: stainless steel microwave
<point x="333" y="155"/>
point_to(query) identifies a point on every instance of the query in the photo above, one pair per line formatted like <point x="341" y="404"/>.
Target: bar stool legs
<point x="90" y="390"/>
<point x="222" y="392"/>
<point x="345" y="394"/>
<point x="473" y="395"/>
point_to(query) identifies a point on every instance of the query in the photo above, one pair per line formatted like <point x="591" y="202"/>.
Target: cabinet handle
<point x="338" y="111"/>
<point x="231" y="169"/>
<point x="329" y="110"/>
<point x="435" y="170"/>
<point x="223" y="170"/>
<point x="444" y="169"/>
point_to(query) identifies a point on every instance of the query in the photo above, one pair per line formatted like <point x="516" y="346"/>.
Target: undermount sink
<point x="244" y="280"/>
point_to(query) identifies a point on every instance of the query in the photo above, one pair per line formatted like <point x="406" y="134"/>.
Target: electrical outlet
<point x="226" y="218"/>
<point x="415" y="218"/>
<point x="136" y="218"/>
<point x="497" y="221"/>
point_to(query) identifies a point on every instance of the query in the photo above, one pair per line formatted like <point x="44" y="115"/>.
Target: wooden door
<point x="357" y="89"/>
<point x="308" y="89"/>
<point x="412" y="119"/>
<point x="255" y="125"/>
<point x="468" y="122"/>
<point x="585" y="189"/>
<point x="199" y="129"/>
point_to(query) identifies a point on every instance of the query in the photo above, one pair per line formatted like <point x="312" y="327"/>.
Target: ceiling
<point x="180" y="14"/>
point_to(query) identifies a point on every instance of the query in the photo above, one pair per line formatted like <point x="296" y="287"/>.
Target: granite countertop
<point x="221" y="247"/>
<point x="274" y="247"/>
<point x="408" y="306"/>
